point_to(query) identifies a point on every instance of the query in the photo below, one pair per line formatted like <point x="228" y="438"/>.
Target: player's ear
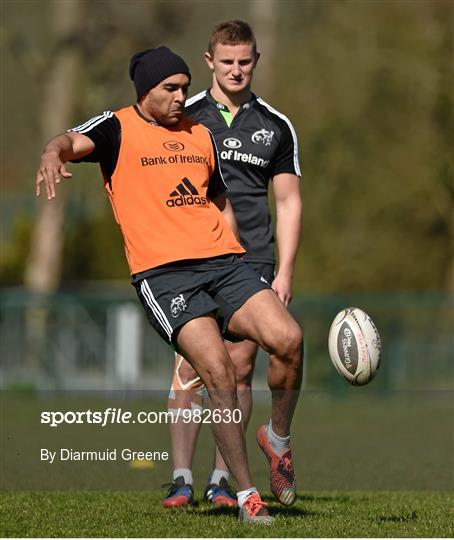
<point x="257" y="56"/>
<point x="209" y="60"/>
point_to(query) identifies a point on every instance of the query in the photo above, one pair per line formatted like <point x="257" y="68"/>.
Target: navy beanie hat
<point x="148" y="68"/>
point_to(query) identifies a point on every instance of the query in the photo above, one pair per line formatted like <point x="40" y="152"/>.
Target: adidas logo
<point x="185" y="194"/>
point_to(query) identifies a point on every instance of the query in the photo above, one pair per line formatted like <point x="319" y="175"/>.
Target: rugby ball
<point x="354" y="346"/>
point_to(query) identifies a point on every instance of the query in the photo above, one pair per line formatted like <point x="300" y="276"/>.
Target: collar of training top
<point x="144" y="117"/>
<point x="223" y="107"/>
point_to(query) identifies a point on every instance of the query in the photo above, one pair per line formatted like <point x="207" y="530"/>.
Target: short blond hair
<point x="232" y="33"/>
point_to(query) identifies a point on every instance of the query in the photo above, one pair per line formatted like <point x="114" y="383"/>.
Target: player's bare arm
<point x="57" y="152"/>
<point x="286" y="188"/>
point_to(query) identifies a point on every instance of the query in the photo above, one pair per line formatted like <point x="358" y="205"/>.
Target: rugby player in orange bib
<point x="162" y="176"/>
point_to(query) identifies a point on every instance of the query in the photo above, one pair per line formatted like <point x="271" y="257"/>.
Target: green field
<point x="366" y="467"/>
<point x="133" y="514"/>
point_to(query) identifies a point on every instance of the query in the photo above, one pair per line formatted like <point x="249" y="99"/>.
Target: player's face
<point x="232" y="66"/>
<point x="165" y="102"/>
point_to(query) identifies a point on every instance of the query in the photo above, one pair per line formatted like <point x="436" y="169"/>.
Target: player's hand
<point x="50" y="171"/>
<point x="282" y="286"/>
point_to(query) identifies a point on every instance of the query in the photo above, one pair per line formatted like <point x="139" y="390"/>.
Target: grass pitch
<point x="365" y="467"/>
<point x="138" y="514"/>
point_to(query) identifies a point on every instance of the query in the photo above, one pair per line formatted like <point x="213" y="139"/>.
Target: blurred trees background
<point x="367" y="84"/>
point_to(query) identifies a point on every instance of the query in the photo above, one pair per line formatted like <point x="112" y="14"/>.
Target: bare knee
<point x="244" y="369"/>
<point x="288" y="344"/>
<point x="243" y="357"/>
<point x="221" y="384"/>
<point x="295" y="340"/>
<point x="243" y="376"/>
<point x="220" y="375"/>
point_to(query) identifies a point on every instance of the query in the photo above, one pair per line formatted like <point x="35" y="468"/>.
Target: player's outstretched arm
<point x="57" y="152"/>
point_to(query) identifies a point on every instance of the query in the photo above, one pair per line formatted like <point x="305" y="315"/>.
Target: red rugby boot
<point x="282" y="475"/>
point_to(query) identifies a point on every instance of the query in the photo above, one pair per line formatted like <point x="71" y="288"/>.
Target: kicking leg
<point x="264" y="319"/>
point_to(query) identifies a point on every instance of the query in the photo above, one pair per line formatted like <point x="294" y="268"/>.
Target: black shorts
<point x="266" y="270"/>
<point x="174" y="295"/>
